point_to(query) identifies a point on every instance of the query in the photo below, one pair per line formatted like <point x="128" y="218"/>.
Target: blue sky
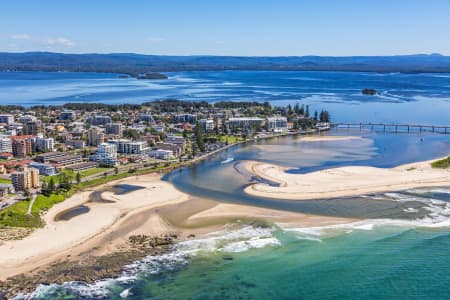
<point x="231" y="27"/>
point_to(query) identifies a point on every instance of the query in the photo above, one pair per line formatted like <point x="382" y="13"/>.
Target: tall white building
<point x="277" y="124"/>
<point x="245" y="122"/>
<point x="7" y="119"/>
<point x="5" y="144"/>
<point x="129" y="147"/>
<point x="106" y="153"/>
<point x="207" y="124"/>
<point x="45" y="144"/>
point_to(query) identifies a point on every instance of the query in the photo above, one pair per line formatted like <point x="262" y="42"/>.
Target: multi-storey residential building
<point x="177" y="140"/>
<point x="277" y="124"/>
<point x="207" y="124"/>
<point x="100" y="120"/>
<point x="245" y="122"/>
<point x="27" y="178"/>
<point x="95" y="136"/>
<point x="45" y="144"/>
<point x="32" y="127"/>
<point x="147" y="117"/>
<point x="161" y="154"/>
<point x="22" y="145"/>
<point x="46" y="157"/>
<point x="66" y="160"/>
<point x="177" y="150"/>
<point x="82" y="166"/>
<point x="114" y="128"/>
<point x="186" y="118"/>
<point x="67" y="115"/>
<point x="5" y="144"/>
<point x="76" y="144"/>
<point x="44" y="169"/>
<point x="27" y="118"/>
<point x="129" y="147"/>
<point x="106" y="153"/>
<point x="7" y="119"/>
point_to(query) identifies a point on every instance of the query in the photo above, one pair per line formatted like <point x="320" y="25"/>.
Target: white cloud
<point x="60" y="41"/>
<point x="20" y="37"/>
<point x="155" y="39"/>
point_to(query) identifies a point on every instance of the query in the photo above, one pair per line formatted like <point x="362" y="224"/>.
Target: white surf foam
<point x="225" y="241"/>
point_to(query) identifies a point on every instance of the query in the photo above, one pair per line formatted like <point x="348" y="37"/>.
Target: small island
<point x="371" y="92"/>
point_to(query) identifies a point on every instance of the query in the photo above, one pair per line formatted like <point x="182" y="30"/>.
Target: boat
<point x="229" y="159"/>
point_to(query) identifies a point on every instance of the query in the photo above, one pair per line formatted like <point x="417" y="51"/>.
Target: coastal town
<point x="48" y="150"/>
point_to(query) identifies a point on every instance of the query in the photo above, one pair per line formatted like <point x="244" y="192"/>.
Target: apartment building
<point x="106" y="153"/>
<point x="45" y="144"/>
<point x="7" y="119"/>
<point x="277" y="124"/>
<point x="95" y="136"/>
<point x="100" y="120"/>
<point x="125" y="146"/>
<point x="186" y="118"/>
<point x="114" y="128"/>
<point x="5" y="144"/>
<point x="22" y="145"/>
<point x="207" y="125"/>
<point x="33" y="127"/>
<point x="66" y="160"/>
<point x="67" y="115"/>
<point x="245" y="122"/>
<point x="27" y="178"/>
<point x="44" y="169"/>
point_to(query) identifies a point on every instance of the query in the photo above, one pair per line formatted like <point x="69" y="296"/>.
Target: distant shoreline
<point x="131" y="63"/>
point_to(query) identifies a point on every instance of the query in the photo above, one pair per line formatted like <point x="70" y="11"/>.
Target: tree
<point x="26" y="193"/>
<point x="199" y="137"/>
<point x="51" y="185"/>
<point x="78" y="177"/>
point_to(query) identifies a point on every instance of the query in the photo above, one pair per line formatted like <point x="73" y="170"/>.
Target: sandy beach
<point x="343" y="181"/>
<point x="322" y="138"/>
<point x="155" y="209"/>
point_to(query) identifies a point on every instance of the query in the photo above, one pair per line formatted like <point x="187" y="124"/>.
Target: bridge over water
<point x="389" y="127"/>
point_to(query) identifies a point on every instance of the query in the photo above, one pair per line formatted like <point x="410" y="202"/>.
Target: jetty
<point x="397" y="128"/>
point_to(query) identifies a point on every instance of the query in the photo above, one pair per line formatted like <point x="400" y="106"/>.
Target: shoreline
<point x="343" y="181"/>
<point x="153" y="211"/>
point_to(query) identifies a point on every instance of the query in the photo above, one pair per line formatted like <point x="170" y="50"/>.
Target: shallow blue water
<point x="405" y="98"/>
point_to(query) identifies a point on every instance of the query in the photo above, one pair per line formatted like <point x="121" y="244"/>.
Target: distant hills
<point x="148" y="66"/>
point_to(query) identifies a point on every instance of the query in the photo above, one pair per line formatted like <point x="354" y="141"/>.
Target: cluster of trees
<point x="170" y="105"/>
<point x="65" y="181"/>
<point x="101" y="106"/>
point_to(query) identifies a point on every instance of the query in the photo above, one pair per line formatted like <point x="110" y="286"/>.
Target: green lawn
<point x="16" y="214"/>
<point x="230" y="138"/>
<point x="3" y="180"/>
<point x="93" y="171"/>
<point x="56" y="177"/>
<point x="442" y="163"/>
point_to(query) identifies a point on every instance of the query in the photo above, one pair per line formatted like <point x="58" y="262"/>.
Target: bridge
<point x="388" y="127"/>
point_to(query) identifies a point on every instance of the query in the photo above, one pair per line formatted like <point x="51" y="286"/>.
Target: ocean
<point x="398" y="249"/>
